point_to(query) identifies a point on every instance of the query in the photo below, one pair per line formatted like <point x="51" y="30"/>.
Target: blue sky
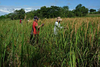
<point x="8" y="6"/>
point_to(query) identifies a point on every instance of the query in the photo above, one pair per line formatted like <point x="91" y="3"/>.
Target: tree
<point x="21" y="13"/>
<point x="54" y="11"/>
<point x="64" y="11"/>
<point x="2" y="17"/>
<point x="50" y="12"/>
<point x="18" y="14"/>
<point x="66" y="8"/>
<point x="43" y="12"/>
<point x="98" y="10"/>
<point x="30" y="14"/>
<point x="37" y="12"/>
<point x="70" y="14"/>
<point x="92" y="10"/>
<point x="78" y="6"/>
<point x="81" y="10"/>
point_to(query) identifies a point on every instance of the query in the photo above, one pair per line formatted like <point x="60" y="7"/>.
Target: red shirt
<point x="20" y="21"/>
<point x="34" y="28"/>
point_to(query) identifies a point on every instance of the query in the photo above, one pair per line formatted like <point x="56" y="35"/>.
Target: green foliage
<point x="51" y="12"/>
<point x="48" y="12"/>
<point x="81" y="10"/>
<point x="77" y="46"/>
<point x="70" y="14"/>
<point x="55" y="11"/>
<point x="2" y="17"/>
<point x="93" y="15"/>
<point x="99" y="11"/>
<point x="64" y="11"/>
<point x="92" y="10"/>
<point x="18" y="14"/>
<point x="30" y="15"/>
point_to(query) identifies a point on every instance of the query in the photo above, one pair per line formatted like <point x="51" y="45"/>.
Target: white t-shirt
<point x="56" y="27"/>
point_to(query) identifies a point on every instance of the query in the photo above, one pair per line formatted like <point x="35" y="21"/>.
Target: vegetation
<point x="81" y="10"/>
<point x="76" y="46"/>
<point x="92" y="10"/>
<point x="18" y="14"/>
<point x="92" y="15"/>
<point x="52" y="12"/>
<point x="55" y="11"/>
<point x="49" y="12"/>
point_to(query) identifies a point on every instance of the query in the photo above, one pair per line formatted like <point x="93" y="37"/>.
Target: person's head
<point x="36" y="18"/>
<point x="59" y="19"/>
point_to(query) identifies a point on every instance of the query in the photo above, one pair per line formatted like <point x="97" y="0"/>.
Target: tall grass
<point x="76" y="46"/>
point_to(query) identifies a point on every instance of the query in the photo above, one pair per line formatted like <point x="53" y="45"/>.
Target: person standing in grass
<point x="27" y="21"/>
<point x="20" y="21"/>
<point x="35" y="30"/>
<point x="57" y="26"/>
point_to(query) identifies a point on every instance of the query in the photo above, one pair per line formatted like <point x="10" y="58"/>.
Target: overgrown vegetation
<point x="77" y="46"/>
<point x="50" y="12"/>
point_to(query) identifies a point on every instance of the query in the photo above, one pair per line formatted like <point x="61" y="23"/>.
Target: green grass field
<point x="76" y="46"/>
<point x="93" y="15"/>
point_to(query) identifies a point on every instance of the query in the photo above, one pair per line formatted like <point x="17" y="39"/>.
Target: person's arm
<point x="38" y="27"/>
<point x="58" y="25"/>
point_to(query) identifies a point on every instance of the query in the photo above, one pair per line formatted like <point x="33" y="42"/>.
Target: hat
<point x="59" y="19"/>
<point x="35" y="17"/>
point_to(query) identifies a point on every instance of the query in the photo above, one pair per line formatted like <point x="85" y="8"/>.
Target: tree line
<point x="51" y="12"/>
<point x="55" y="11"/>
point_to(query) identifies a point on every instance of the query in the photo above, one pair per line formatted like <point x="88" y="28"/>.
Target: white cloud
<point x="9" y="9"/>
<point x="2" y="13"/>
<point x="71" y="9"/>
<point x="4" y="10"/>
<point x="17" y="8"/>
<point x="28" y="9"/>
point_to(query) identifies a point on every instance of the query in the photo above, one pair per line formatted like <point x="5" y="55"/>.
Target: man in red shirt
<point x="35" y="30"/>
<point x="20" y="20"/>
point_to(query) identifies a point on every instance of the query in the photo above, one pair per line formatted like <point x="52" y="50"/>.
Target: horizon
<point x="8" y="6"/>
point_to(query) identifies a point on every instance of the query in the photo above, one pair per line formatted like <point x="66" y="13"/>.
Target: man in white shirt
<point x="57" y="25"/>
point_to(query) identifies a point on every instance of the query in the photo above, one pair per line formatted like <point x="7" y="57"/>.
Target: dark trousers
<point x="34" y="38"/>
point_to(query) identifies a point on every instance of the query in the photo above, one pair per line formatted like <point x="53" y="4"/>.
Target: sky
<point x="8" y="6"/>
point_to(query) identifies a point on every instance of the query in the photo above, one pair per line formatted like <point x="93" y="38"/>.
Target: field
<point x="93" y="15"/>
<point x="76" y="46"/>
